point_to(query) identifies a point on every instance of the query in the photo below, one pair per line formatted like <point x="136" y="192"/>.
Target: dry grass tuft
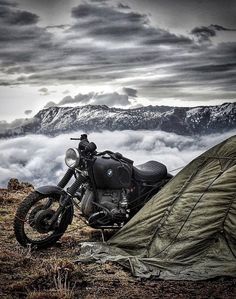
<point x="50" y="294"/>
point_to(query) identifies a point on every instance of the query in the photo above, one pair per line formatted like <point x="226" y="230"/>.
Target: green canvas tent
<point x="186" y="231"/>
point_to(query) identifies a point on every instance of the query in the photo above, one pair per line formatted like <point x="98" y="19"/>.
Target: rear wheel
<point x="31" y="220"/>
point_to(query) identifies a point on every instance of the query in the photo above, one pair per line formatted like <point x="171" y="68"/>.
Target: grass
<point x="60" y="272"/>
<point x="52" y="273"/>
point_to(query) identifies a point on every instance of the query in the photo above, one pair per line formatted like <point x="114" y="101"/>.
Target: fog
<point x="40" y="160"/>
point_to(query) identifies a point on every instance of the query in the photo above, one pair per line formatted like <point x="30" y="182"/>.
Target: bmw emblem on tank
<point x="109" y="172"/>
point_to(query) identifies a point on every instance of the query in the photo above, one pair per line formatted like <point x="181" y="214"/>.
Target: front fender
<point x="47" y="190"/>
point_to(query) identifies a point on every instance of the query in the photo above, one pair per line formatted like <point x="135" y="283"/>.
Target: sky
<point x="126" y="53"/>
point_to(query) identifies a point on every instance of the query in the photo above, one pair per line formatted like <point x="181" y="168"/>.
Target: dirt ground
<point x="52" y="273"/>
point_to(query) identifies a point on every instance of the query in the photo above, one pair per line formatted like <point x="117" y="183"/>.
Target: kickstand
<point x="103" y="237"/>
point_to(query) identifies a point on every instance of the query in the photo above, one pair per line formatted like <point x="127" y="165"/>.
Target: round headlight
<point x="72" y="158"/>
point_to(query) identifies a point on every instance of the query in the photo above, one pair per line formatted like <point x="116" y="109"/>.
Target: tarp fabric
<point x="187" y="230"/>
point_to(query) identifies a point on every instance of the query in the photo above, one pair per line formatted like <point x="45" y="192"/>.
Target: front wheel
<point x="31" y="220"/>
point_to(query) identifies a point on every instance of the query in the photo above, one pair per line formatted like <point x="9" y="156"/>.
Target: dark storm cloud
<point x="216" y="68"/>
<point x="204" y="34"/>
<point x="22" y="42"/>
<point x="62" y="26"/>
<point x="21" y="39"/>
<point x="7" y="3"/>
<point x="110" y="45"/>
<point x="187" y="14"/>
<point x="108" y="23"/>
<point x="23" y="18"/>
<point x="212" y="73"/>
<point x="123" y="6"/>
<point x="105" y="14"/>
<point x="130" y="92"/>
<point x="220" y="28"/>
<point x="92" y="98"/>
<point x="11" y="16"/>
<point x="17" y="35"/>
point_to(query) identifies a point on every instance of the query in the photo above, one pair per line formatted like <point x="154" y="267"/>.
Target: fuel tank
<point x="111" y="174"/>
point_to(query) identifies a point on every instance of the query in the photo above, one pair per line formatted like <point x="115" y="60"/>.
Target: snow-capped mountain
<point x="180" y="120"/>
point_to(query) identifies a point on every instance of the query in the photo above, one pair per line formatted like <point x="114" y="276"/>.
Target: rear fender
<point x="50" y="190"/>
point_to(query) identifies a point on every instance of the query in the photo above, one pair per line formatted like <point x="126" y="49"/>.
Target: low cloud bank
<point x="40" y="160"/>
<point x="4" y="125"/>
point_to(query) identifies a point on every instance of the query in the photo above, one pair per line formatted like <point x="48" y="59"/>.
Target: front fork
<point x="63" y="182"/>
<point x="66" y="178"/>
<point x="66" y="199"/>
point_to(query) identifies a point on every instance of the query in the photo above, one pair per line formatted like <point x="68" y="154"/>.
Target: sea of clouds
<point x="39" y="159"/>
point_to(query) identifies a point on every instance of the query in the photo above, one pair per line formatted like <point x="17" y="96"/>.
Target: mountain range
<point x="180" y="120"/>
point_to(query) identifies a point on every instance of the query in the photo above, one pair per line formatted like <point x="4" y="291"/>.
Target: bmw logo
<point x="109" y="173"/>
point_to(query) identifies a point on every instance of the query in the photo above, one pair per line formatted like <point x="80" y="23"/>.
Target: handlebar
<point x="85" y="145"/>
<point x="82" y="137"/>
<point x="90" y="147"/>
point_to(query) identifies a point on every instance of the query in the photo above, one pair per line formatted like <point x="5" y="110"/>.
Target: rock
<point x="15" y="185"/>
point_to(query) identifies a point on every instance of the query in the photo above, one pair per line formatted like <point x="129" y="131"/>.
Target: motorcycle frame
<point x="144" y="189"/>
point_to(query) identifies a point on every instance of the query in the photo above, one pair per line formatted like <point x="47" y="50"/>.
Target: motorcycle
<point x="108" y="190"/>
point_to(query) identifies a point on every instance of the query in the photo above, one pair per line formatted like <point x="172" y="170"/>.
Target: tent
<point x="187" y="230"/>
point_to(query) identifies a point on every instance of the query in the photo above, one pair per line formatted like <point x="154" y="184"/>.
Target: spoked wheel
<point x="31" y="223"/>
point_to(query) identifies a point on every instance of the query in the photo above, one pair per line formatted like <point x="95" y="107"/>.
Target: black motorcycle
<point x="107" y="189"/>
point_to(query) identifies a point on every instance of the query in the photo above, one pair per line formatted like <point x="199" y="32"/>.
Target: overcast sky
<point x="119" y="53"/>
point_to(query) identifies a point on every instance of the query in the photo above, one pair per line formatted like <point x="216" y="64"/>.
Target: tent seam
<point x="165" y="215"/>
<point x="173" y="202"/>
<point x="174" y="239"/>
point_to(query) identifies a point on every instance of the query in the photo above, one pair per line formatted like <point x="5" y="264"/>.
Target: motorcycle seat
<point x="151" y="171"/>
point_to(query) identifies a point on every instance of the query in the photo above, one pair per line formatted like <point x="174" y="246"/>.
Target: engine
<point x="111" y="209"/>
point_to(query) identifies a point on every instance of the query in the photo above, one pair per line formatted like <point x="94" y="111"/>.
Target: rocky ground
<point x="52" y="273"/>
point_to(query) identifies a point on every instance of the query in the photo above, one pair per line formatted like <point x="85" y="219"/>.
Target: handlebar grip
<point x="91" y="147"/>
<point x="82" y="137"/>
